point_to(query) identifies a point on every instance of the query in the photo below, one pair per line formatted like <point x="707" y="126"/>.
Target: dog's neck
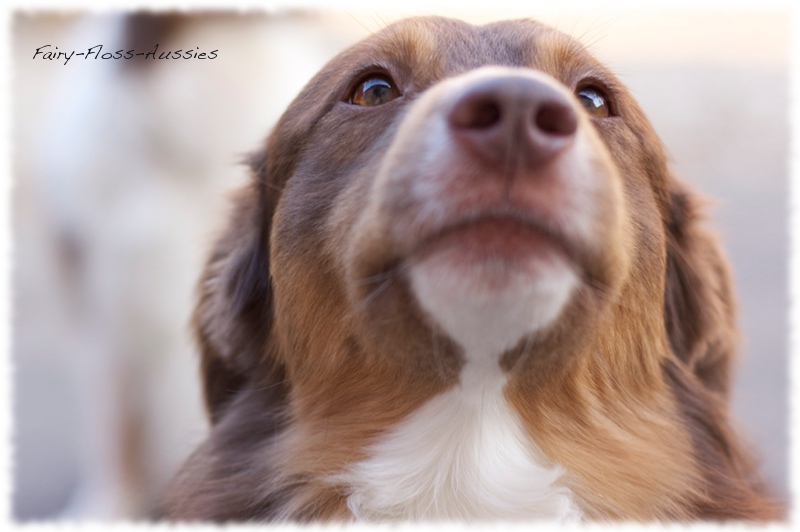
<point x="462" y="455"/>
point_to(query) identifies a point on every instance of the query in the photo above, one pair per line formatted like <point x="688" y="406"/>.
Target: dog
<point x="464" y="284"/>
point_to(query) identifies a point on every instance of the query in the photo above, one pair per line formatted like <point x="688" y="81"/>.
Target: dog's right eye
<point x="374" y="90"/>
<point x="594" y="101"/>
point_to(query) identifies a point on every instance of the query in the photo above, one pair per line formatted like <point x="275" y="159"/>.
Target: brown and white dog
<point x="465" y="285"/>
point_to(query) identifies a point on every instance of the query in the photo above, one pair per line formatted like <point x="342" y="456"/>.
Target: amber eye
<point x="593" y="101"/>
<point x="374" y="90"/>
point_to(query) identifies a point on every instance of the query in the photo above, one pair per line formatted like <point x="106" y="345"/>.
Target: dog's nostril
<point x="476" y="114"/>
<point x="556" y="118"/>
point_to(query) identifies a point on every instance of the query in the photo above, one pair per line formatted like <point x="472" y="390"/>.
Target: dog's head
<point x="443" y="196"/>
<point x="441" y="191"/>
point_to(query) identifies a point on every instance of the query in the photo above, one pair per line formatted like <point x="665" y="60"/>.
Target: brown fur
<point x="304" y="366"/>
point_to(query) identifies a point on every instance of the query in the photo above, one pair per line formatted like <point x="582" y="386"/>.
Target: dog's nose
<point x="513" y="120"/>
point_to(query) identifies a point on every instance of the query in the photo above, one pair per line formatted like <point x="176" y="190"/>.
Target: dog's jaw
<point x="488" y="306"/>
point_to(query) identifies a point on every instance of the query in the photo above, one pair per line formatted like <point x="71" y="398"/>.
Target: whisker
<point x="364" y="303"/>
<point x="526" y="350"/>
<point x="361" y="23"/>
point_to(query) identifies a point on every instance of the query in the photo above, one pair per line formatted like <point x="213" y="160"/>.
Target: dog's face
<point x="482" y="209"/>
<point x="483" y="189"/>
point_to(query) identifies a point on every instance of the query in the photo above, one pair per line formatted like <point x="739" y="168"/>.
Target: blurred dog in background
<point x="111" y="228"/>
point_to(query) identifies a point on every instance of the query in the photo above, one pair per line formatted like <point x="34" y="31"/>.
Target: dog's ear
<point x="700" y="309"/>
<point x="233" y="316"/>
<point x="700" y="316"/>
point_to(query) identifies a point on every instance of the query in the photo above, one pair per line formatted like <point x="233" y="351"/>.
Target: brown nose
<point x="513" y="120"/>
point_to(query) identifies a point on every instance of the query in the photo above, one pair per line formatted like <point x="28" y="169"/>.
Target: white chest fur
<point x="463" y="456"/>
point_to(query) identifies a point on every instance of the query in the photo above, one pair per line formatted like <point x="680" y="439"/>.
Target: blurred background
<point x="123" y="170"/>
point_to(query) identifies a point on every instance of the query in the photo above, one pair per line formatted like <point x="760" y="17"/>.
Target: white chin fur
<point x="489" y="306"/>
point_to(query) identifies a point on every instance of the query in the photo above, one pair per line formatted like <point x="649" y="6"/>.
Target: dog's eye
<point x="594" y="101"/>
<point x="374" y="90"/>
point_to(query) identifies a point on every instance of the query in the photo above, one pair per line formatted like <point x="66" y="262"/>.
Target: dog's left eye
<point x="374" y="90"/>
<point x="594" y="101"/>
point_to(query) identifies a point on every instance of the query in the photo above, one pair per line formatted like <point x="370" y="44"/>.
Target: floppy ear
<point x="700" y="310"/>
<point x="700" y="317"/>
<point x="233" y="316"/>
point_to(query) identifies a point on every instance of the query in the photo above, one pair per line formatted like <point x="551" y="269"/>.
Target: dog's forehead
<point x="433" y="48"/>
